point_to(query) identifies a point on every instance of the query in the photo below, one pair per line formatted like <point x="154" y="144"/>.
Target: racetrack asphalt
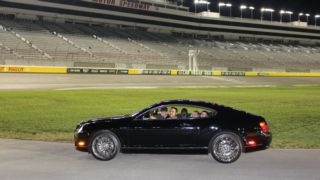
<point x="34" y="160"/>
<point x="16" y="81"/>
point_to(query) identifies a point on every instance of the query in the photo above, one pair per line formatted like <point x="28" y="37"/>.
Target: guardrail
<point x="174" y="72"/>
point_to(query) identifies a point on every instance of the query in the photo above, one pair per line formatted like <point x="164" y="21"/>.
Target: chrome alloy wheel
<point x="226" y="148"/>
<point x="104" y="147"/>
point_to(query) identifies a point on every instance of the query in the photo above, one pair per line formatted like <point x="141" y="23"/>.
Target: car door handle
<point x="184" y="124"/>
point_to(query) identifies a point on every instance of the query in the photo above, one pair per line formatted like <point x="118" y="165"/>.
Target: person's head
<point x="204" y="114"/>
<point x="184" y="112"/>
<point x="173" y="112"/>
<point x="153" y="114"/>
<point x="164" y="112"/>
<point x="195" y="114"/>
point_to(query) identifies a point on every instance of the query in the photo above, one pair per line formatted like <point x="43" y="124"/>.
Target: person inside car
<point x="173" y="113"/>
<point x="153" y="114"/>
<point x="204" y="114"/>
<point x="195" y="114"/>
<point x="163" y="114"/>
<point x="184" y="113"/>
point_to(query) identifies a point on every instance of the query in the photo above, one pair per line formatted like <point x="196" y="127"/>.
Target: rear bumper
<point x="263" y="141"/>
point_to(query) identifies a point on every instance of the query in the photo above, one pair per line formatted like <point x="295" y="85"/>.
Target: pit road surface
<point x="33" y="160"/>
<point x="14" y="81"/>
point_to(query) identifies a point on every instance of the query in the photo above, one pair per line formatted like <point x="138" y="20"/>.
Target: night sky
<point x="297" y="6"/>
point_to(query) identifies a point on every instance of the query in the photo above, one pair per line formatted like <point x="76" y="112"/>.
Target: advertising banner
<point x="33" y="69"/>
<point x="156" y="72"/>
<point x="96" y="71"/>
<point x="124" y="3"/>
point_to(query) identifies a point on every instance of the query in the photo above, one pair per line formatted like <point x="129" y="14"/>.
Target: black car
<point x="176" y="124"/>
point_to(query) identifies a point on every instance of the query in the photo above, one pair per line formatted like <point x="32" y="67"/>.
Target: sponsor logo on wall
<point x="233" y="73"/>
<point x="156" y="72"/>
<point x="124" y="3"/>
<point x="96" y="71"/>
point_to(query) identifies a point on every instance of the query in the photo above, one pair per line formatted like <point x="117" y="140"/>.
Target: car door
<point x="162" y="133"/>
<point x="207" y="127"/>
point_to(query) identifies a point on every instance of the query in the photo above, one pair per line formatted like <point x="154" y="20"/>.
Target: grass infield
<point x="293" y="113"/>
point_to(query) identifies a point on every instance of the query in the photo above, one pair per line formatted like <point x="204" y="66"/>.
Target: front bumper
<point x="81" y="141"/>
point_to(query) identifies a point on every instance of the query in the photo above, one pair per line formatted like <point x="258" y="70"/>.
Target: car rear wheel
<point x="104" y="145"/>
<point x="225" y="147"/>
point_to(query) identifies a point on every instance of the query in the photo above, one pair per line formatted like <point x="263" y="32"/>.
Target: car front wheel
<point x="225" y="147"/>
<point x="104" y="145"/>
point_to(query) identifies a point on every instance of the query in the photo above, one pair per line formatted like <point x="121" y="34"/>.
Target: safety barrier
<point x="174" y="72"/>
<point x="33" y="69"/>
<point x="288" y="74"/>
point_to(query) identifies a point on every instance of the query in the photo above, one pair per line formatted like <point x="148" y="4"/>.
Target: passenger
<point x="173" y="113"/>
<point x="195" y="114"/>
<point x="163" y="114"/>
<point x="184" y="113"/>
<point x="204" y="114"/>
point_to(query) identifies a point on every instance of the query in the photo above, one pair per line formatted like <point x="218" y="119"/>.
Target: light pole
<point x="207" y="5"/>
<point x="195" y="6"/>
<point x="242" y="7"/>
<point x="290" y="15"/>
<point x="315" y="19"/>
<point x="300" y="14"/>
<point x="196" y="2"/>
<point x="307" y="17"/>
<point x="281" y="13"/>
<point x="229" y="5"/>
<point x="251" y="9"/>
<point x="220" y="5"/>
<point x="266" y="10"/>
<point x="285" y="12"/>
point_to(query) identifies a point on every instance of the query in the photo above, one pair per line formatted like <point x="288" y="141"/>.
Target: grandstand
<point x="24" y="42"/>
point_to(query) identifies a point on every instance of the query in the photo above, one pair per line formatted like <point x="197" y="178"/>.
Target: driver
<point x="163" y="114"/>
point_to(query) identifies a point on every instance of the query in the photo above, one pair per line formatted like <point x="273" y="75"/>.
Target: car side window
<point x="160" y="113"/>
<point x="177" y="112"/>
<point x="150" y="115"/>
<point x="200" y="113"/>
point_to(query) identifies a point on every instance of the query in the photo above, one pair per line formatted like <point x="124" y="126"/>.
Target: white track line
<point x="225" y="79"/>
<point x="163" y="87"/>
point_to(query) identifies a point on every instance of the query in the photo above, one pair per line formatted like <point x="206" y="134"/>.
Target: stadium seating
<point x="100" y="46"/>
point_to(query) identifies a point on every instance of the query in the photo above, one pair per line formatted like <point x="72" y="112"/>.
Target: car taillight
<point x="251" y="143"/>
<point x="264" y="127"/>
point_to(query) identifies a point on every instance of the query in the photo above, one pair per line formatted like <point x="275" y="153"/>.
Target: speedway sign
<point x="124" y="3"/>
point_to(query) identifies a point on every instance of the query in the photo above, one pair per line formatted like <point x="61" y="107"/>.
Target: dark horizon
<point x="297" y="6"/>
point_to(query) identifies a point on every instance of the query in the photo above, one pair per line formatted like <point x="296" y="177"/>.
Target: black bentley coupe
<point x="176" y="124"/>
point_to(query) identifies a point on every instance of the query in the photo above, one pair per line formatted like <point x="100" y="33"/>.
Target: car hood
<point x="107" y="119"/>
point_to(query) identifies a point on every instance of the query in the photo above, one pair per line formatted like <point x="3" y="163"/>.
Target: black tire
<point x="104" y="145"/>
<point x="225" y="147"/>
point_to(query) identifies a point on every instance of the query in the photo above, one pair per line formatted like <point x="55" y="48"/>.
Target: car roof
<point x="188" y="102"/>
<point x="180" y="102"/>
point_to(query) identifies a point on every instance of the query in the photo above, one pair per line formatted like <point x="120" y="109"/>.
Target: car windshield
<point x="143" y="110"/>
<point x="134" y="114"/>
